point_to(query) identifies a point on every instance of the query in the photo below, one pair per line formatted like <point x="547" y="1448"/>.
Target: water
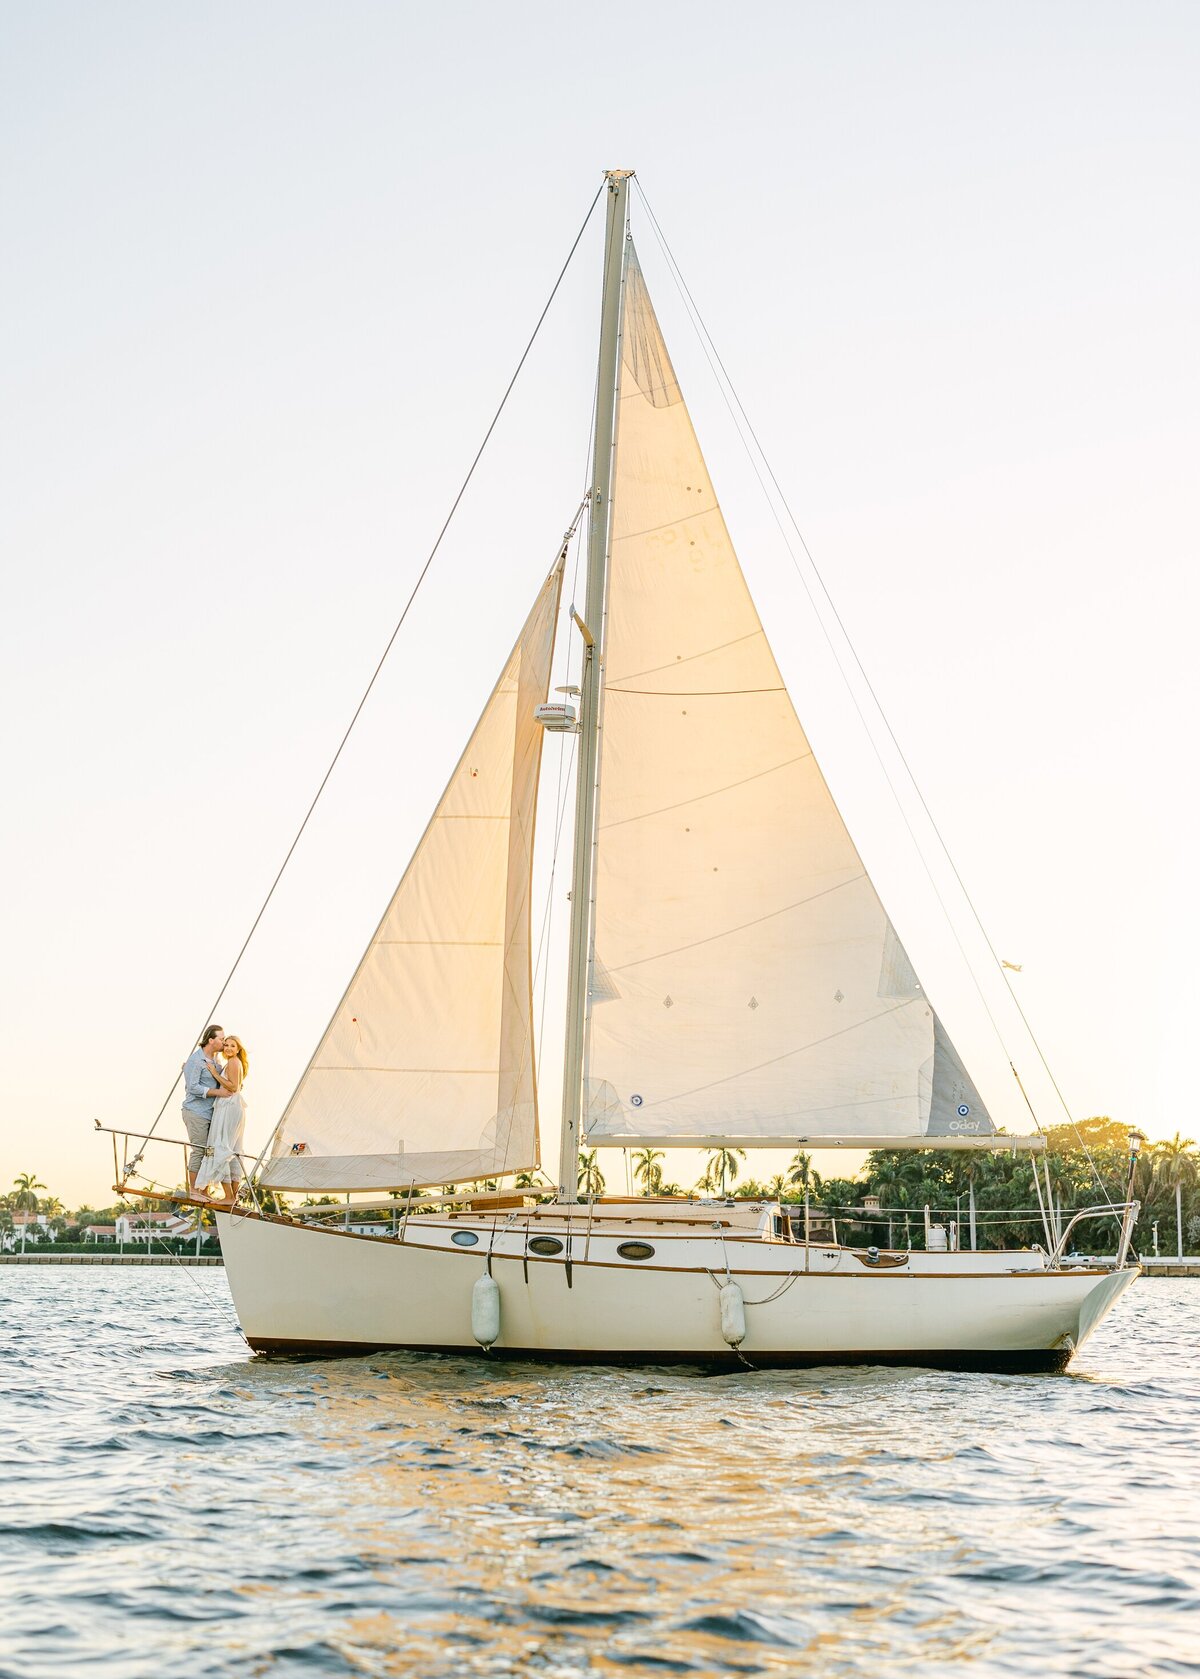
<point x="172" y="1505"/>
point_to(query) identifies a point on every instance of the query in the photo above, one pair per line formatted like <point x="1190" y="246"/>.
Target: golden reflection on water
<point x="532" y="1511"/>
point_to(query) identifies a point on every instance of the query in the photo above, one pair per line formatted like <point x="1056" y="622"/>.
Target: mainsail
<point x="747" y="982"/>
<point x="425" y="1074"/>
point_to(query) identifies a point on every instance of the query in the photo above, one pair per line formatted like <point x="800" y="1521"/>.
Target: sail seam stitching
<point x="774" y="1060"/>
<point x="695" y="693"/>
<point x="741" y="927"/>
<point x="689" y="658"/>
<point x="711" y="793"/>
<point x="669" y="524"/>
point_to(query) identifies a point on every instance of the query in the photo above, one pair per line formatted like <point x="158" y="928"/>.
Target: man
<point x="199" y="1088"/>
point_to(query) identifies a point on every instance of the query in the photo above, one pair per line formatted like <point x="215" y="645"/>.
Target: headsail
<point x="747" y="982"/>
<point x="426" y="1072"/>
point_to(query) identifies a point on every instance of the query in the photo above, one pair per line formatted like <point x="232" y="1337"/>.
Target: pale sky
<point x="266" y="272"/>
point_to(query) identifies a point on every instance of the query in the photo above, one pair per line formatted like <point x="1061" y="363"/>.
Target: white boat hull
<point x="314" y="1290"/>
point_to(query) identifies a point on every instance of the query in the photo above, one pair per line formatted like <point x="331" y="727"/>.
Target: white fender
<point x="485" y="1311"/>
<point x="733" y="1314"/>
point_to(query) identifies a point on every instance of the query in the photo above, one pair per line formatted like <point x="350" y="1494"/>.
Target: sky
<point x="267" y="271"/>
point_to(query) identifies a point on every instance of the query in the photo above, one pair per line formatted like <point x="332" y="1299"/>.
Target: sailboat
<point x="734" y="980"/>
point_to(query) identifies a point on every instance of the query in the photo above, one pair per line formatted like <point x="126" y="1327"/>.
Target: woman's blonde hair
<point x="240" y="1053"/>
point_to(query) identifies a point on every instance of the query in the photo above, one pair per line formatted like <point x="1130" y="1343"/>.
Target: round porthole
<point x="635" y="1250"/>
<point x="545" y="1244"/>
<point x="464" y="1238"/>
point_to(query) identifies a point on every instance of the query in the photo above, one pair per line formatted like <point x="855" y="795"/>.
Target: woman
<point x="222" y="1164"/>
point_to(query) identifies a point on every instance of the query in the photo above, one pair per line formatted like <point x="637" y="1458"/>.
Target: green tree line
<point x="1087" y="1164"/>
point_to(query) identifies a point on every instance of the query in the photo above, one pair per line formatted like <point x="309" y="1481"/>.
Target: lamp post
<point x="1135" y="1148"/>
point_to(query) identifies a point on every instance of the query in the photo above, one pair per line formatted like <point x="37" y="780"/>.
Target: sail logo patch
<point x="963" y="1110"/>
<point x="636" y="1101"/>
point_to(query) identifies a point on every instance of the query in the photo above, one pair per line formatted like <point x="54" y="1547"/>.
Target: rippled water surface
<point x="173" y="1505"/>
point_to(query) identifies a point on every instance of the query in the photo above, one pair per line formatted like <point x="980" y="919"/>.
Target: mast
<point x="583" y="872"/>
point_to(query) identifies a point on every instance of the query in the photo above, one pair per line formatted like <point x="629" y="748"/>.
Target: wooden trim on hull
<point x="1048" y="1360"/>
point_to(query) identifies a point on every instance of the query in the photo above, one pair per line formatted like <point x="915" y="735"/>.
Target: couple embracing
<point x="214" y="1115"/>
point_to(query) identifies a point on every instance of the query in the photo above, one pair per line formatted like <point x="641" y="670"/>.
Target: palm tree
<point x="591" y="1178"/>
<point x="777" y="1187"/>
<point x="25" y="1200"/>
<point x="26" y="1185"/>
<point x="1173" y="1167"/>
<point x="799" y="1170"/>
<point x="647" y="1171"/>
<point x="722" y="1167"/>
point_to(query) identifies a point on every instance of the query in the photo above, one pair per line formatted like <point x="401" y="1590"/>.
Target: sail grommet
<point x="733" y="1313"/>
<point x="485" y="1311"/>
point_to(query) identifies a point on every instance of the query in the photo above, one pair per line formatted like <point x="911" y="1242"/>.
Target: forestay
<point x="747" y="982"/>
<point x="426" y="1072"/>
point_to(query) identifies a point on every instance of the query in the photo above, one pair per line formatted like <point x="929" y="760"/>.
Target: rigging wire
<point x="209" y="1299"/>
<point x="742" y="425"/>
<point x="728" y="390"/>
<point x="391" y="639"/>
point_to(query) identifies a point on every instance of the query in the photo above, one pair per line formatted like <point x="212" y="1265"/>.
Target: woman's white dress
<point x="221" y="1163"/>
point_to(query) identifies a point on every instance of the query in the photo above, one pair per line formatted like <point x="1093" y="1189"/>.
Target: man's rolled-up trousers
<point x="196" y="1126"/>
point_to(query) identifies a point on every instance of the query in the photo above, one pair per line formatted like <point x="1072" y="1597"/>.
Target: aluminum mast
<point x="591" y="627"/>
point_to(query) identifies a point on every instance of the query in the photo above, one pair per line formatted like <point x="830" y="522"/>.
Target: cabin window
<point x="545" y="1244"/>
<point x="464" y="1238"/>
<point x="636" y="1250"/>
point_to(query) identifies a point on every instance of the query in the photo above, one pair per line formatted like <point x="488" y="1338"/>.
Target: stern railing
<point x="1126" y="1210"/>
